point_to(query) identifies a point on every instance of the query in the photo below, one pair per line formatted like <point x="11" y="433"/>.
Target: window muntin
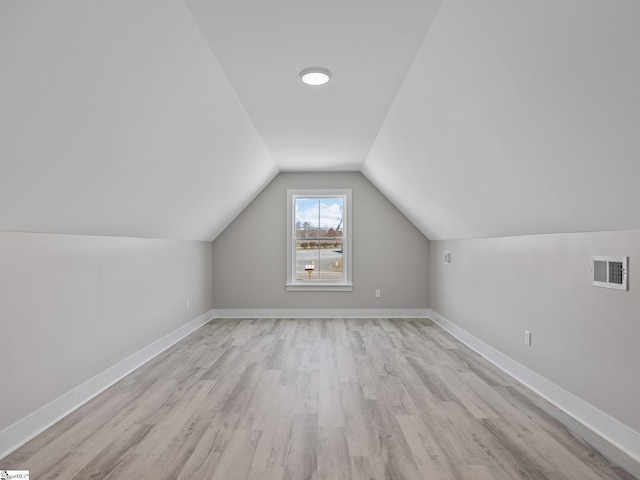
<point x="318" y="246"/>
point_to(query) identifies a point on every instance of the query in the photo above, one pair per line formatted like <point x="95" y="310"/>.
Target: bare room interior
<point x="337" y="240"/>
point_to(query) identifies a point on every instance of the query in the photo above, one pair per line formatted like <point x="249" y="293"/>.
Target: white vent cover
<point x="447" y="257"/>
<point x="609" y="272"/>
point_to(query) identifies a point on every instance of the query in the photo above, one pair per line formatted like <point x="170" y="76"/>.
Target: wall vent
<point x="447" y="257"/>
<point x="609" y="272"/>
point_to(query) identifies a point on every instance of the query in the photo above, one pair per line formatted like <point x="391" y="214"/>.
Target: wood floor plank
<point x="366" y="375"/>
<point x="556" y="422"/>
<point x="301" y="462"/>
<point x="266" y="473"/>
<point x="308" y="387"/>
<point x="162" y="432"/>
<point x="466" y="441"/>
<point x="205" y="458"/>
<point x="356" y="342"/>
<point x="430" y="461"/>
<point x="367" y="468"/>
<point x="56" y="467"/>
<point x="330" y="413"/>
<point x="441" y="337"/>
<point x="289" y="329"/>
<point x="274" y="441"/>
<point x="431" y="381"/>
<point x="476" y="472"/>
<point x="108" y="459"/>
<point x="131" y="466"/>
<point x="542" y="449"/>
<point x="333" y="454"/>
<point x="347" y="371"/>
<point x="233" y="463"/>
<point x="314" y="399"/>
<point x="456" y="383"/>
<point x="393" y="448"/>
<point x="357" y="432"/>
<point x="340" y="332"/>
<point x="262" y="402"/>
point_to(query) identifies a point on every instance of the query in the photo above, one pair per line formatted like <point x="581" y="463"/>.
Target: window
<point x="319" y="240"/>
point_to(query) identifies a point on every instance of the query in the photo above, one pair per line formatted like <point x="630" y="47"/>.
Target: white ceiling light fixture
<point x="315" y="76"/>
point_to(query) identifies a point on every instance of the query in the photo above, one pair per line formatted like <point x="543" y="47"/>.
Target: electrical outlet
<point x="377" y="293"/>
<point x="527" y="338"/>
<point x="188" y="304"/>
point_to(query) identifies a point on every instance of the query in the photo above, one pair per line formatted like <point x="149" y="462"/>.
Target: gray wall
<point x="72" y="306"/>
<point x="584" y="338"/>
<point x="389" y="252"/>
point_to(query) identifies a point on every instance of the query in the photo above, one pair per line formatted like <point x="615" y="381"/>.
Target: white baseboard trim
<point x="322" y="313"/>
<point x="612" y="430"/>
<point x="25" y="429"/>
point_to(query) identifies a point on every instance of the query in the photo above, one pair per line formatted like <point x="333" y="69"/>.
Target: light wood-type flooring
<point x="316" y="399"/>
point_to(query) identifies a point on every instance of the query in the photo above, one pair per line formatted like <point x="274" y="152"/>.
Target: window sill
<point x="319" y="287"/>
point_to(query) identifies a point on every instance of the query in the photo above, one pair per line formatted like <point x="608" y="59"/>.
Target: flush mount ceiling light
<point x="315" y="76"/>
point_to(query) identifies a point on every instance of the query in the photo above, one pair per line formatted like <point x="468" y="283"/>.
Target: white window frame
<point x="294" y="285"/>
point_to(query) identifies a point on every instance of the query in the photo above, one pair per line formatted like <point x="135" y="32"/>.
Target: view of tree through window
<point x="319" y="227"/>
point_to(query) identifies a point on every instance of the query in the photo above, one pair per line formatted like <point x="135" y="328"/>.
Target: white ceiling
<point x="164" y="118"/>
<point x="116" y="119"/>
<point x="368" y="45"/>
<point x="518" y="118"/>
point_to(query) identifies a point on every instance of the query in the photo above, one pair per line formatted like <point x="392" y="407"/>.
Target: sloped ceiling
<point x="116" y="119"/>
<point x="518" y="118"/>
<point x="164" y="118"/>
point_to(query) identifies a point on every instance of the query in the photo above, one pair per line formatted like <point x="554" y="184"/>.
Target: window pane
<point x="307" y="217"/>
<point x="330" y="259"/>
<point x="331" y="216"/>
<point x="319" y="260"/>
<point x="307" y="261"/>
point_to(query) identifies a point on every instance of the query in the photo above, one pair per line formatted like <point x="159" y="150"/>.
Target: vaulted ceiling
<point x="165" y="118"/>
